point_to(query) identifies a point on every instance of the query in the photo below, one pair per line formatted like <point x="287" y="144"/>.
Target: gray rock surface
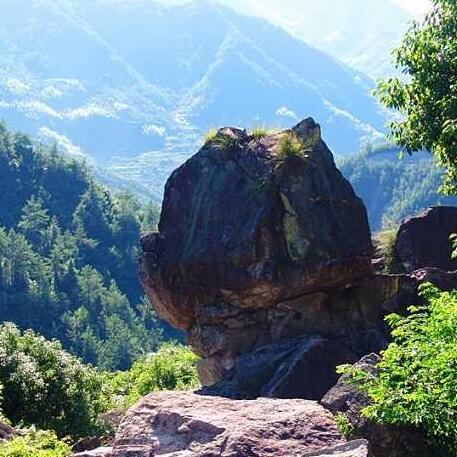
<point x="356" y="448"/>
<point x="105" y="451"/>
<point x="184" y="424"/>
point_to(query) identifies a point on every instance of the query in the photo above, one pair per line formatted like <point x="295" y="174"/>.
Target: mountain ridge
<point x="123" y="98"/>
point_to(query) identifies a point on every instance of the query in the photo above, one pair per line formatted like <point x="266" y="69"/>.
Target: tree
<point x="35" y="223"/>
<point x="68" y="255"/>
<point x="426" y="94"/>
<point x="45" y="386"/>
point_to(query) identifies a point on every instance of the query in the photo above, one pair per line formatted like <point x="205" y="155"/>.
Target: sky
<point x="416" y="7"/>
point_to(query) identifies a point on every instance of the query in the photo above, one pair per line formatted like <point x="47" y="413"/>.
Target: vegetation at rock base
<point x="426" y="97"/>
<point x="35" y="443"/>
<point x="173" y="367"/>
<point x="68" y="256"/>
<point x="344" y="424"/>
<point x="45" y="387"/>
<point x="416" y="384"/>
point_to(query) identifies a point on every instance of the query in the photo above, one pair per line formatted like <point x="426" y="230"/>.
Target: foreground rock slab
<point x="356" y="448"/>
<point x="178" y="424"/>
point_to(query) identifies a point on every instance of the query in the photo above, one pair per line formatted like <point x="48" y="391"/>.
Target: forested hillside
<point x="394" y="186"/>
<point x="68" y="256"/>
<point x="140" y="105"/>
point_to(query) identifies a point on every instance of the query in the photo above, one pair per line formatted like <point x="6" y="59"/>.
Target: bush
<point x="344" y="425"/>
<point x="45" y="386"/>
<point x="35" y="444"/>
<point x="417" y="380"/>
<point x="173" y="367"/>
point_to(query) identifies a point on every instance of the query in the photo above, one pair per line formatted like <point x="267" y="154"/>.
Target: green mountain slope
<point x="394" y="187"/>
<point x="68" y="256"/>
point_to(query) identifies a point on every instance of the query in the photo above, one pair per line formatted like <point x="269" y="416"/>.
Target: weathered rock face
<point x="256" y="247"/>
<point x="423" y="240"/>
<point x="185" y="424"/>
<point x="240" y="227"/>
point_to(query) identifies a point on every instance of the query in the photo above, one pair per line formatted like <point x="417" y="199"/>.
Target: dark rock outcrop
<point x="241" y="225"/>
<point x="423" y="241"/>
<point x="256" y="247"/>
<point x="7" y="432"/>
<point x="385" y="440"/>
<point x="91" y="443"/>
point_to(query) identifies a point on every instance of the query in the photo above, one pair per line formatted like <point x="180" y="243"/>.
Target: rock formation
<point x="263" y="258"/>
<point x="423" y="241"/>
<point x="264" y="249"/>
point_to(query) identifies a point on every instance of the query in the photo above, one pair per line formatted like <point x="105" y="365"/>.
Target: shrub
<point x="45" y="386"/>
<point x="289" y="146"/>
<point x="344" y="424"/>
<point x="173" y="367"/>
<point x="417" y="380"/>
<point x="35" y="444"/>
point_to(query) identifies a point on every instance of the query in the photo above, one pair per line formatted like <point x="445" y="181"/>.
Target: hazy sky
<point x="415" y="7"/>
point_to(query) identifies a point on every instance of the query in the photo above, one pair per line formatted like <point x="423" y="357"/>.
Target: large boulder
<point x="258" y="245"/>
<point x="241" y="223"/>
<point x="423" y="240"/>
<point x="182" y="424"/>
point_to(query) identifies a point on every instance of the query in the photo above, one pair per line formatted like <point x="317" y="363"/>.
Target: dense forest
<point x="394" y="185"/>
<point x="68" y="256"/>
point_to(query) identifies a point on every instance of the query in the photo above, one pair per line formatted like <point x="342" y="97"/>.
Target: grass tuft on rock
<point x="210" y="135"/>
<point x="289" y="146"/>
<point x="225" y="141"/>
<point x="258" y="133"/>
<point x="384" y="243"/>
